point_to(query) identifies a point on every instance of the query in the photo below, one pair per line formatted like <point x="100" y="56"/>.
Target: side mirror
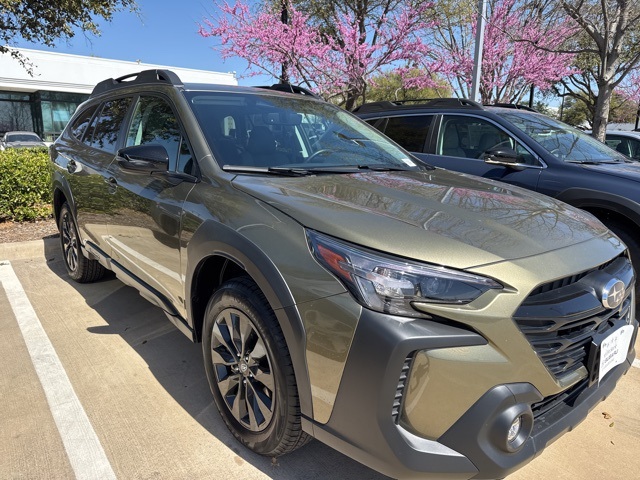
<point x="144" y="158"/>
<point x="504" y="156"/>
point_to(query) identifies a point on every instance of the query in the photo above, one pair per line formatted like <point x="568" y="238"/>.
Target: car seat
<point x="261" y="149"/>
<point x="451" y="142"/>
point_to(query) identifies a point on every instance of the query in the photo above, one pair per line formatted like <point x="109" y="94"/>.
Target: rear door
<point x="85" y="154"/>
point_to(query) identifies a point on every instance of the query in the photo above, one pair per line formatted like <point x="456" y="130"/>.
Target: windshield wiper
<point x="590" y="162"/>
<point x="300" y="172"/>
<point x="284" y="171"/>
<point x="378" y="167"/>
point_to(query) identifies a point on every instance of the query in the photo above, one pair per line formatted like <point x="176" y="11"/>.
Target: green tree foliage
<point x="25" y="192"/>
<point x="45" y="22"/>
<point x="606" y="42"/>
<point x="390" y="86"/>
<point x="580" y="111"/>
<point x="542" y="107"/>
<point x="575" y="112"/>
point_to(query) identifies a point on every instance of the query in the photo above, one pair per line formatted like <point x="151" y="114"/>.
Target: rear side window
<point x="108" y="124"/>
<point x="82" y="121"/>
<point x="411" y="132"/>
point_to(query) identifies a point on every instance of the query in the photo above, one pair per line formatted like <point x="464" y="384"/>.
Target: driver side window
<point x="471" y="137"/>
<point x="153" y="122"/>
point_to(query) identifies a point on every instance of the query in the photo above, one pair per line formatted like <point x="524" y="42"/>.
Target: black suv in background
<point x="521" y="147"/>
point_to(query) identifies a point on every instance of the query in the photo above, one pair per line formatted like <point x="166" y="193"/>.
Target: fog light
<point x="514" y="430"/>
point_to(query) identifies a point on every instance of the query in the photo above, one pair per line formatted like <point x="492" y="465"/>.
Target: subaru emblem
<point x="613" y="293"/>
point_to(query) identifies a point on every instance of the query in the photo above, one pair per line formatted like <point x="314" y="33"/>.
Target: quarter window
<point x="80" y="125"/>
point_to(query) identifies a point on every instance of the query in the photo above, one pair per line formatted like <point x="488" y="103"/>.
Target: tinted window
<point x="186" y="163"/>
<point x="473" y="137"/>
<point x="153" y="122"/>
<point x="22" y="137"/>
<point x="82" y="121"/>
<point x="108" y="124"/>
<point x="562" y="141"/>
<point x="629" y="147"/>
<point x="410" y="132"/>
<point x="269" y="130"/>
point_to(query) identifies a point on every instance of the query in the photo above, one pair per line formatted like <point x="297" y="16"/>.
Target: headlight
<point x="391" y="285"/>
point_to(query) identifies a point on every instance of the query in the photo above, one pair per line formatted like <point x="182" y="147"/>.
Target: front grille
<point x="400" y="389"/>
<point x="561" y="319"/>
<point x="563" y="282"/>
<point x="567" y="397"/>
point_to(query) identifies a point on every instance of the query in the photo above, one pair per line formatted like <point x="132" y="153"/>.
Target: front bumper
<point x="365" y="425"/>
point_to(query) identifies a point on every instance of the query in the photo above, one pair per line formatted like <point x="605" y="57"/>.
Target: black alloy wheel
<point x="249" y="369"/>
<point x="79" y="267"/>
<point x="243" y="369"/>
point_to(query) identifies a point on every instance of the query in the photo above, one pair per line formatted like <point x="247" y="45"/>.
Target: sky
<point x="164" y="33"/>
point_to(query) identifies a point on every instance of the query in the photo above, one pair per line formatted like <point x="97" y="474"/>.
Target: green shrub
<point x="25" y="192"/>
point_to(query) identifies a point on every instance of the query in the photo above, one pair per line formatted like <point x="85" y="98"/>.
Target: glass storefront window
<point x="15" y="115"/>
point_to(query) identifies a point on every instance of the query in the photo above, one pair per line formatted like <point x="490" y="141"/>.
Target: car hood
<point x="623" y="170"/>
<point x="439" y="216"/>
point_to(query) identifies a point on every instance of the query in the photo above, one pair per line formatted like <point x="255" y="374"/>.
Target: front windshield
<point x="273" y="131"/>
<point x="561" y="140"/>
<point x="23" y="137"/>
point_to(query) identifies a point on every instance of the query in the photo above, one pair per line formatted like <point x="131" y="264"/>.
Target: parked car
<point x="21" y="140"/>
<point x="521" y="147"/>
<point x="423" y="322"/>
<point x="627" y="143"/>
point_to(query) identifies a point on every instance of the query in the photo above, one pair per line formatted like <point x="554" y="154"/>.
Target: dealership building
<point x="44" y="99"/>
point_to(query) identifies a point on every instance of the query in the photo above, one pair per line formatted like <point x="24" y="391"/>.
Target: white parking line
<point x="636" y="363"/>
<point x="85" y="453"/>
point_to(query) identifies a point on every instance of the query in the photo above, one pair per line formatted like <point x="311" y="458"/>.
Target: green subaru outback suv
<point x="424" y="322"/>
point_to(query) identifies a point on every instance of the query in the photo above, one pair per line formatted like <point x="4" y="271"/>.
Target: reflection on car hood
<point x="623" y="170"/>
<point x="440" y="217"/>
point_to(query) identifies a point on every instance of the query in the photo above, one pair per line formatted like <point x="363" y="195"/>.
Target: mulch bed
<point x="26" y="231"/>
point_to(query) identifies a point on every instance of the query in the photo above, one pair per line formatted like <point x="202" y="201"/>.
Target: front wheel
<point x="250" y="371"/>
<point x="79" y="267"/>
<point x="634" y="249"/>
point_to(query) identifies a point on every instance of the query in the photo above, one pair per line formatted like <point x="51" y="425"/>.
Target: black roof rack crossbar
<point x="287" y="87"/>
<point x="517" y="106"/>
<point x="422" y="102"/>
<point x="146" y="76"/>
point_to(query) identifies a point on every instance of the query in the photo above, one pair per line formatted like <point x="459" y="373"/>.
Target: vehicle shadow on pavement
<point x="177" y="364"/>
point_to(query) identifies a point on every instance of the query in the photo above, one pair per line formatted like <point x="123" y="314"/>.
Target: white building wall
<point x="61" y="72"/>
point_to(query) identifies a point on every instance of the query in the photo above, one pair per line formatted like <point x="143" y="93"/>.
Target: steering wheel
<point x="323" y="151"/>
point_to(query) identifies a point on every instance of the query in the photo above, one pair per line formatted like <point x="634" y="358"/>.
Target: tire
<point x="79" y="267"/>
<point x="634" y="249"/>
<point x="250" y="371"/>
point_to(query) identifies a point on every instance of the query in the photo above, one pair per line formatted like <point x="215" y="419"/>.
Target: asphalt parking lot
<point x="95" y="383"/>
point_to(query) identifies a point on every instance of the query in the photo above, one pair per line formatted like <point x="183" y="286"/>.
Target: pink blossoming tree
<point x="517" y="52"/>
<point x="338" y="65"/>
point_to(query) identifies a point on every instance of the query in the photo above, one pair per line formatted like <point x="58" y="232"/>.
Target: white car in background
<point x="21" y="140"/>
<point x="625" y="142"/>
